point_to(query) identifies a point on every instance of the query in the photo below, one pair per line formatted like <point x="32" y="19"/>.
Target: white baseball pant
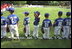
<point x="66" y="32"/>
<point x="70" y="33"/>
<point x="35" y="32"/>
<point x="57" y="30"/>
<point x="27" y="30"/>
<point x="3" y="31"/>
<point x="46" y="34"/>
<point x="14" y="30"/>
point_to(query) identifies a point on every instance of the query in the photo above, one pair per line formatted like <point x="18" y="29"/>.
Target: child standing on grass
<point x="26" y="24"/>
<point x="46" y="24"/>
<point x="36" y="24"/>
<point x="58" y="26"/>
<point x="67" y="26"/>
<point x="3" y="26"/>
<point x="13" y="20"/>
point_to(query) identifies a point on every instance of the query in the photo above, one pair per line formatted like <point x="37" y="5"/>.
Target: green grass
<point x="37" y="43"/>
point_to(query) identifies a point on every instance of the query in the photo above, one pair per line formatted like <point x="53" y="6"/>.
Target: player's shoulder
<point x="59" y="18"/>
<point x="3" y="17"/>
<point x="46" y="20"/>
<point x="14" y="15"/>
<point x="26" y="18"/>
<point x="65" y="18"/>
<point x="49" y="20"/>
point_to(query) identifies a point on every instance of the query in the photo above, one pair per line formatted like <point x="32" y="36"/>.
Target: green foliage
<point x="19" y="2"/>
<point x="56" y="3"/>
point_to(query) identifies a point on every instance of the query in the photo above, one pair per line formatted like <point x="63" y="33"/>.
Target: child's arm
<point x="24" y="29"/>
<point x="54" y="24"/>
<point x="38" y="19"/>
<point x="17" y="21"/>
<point x="42" y="27"/>
<point x="50" y="25"/>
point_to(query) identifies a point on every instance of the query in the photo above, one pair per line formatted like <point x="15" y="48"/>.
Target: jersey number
<point x="68" y="23"/>
<point x="13" y="20"/>
<point x="60" y="23"/>
<point x="46" y="23"/>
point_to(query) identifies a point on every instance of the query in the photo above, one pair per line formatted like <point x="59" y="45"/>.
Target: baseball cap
<point x="26" y="12"/>
<point x="10" y="9"/>
<point x="37" y="12"/>
<point x="46" y="14"/>
<point x="68" y="13"/>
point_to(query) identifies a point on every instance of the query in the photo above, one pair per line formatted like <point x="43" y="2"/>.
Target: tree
<point x="19" y="2"/>
<point x="63" y="3"/>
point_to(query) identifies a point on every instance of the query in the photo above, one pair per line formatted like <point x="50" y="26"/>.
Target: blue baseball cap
<point x="10" y="9"/>
<point x="26" y="12"/>
<point x="46" y="14"/>
<point x="37" y="12"/>
<point x="68" y="13"/>
<point x="60" y="13"/>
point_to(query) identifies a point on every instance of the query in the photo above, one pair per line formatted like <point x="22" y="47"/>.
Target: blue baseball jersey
<point x="67" y="22"/>
<point x="3" y="20"/>
<point x="36" y="21"/>
<point x="26" y="21"/>
<point x="12" y="19"/>
<point x="46" y="23"/>
<point x="58" y="22"/>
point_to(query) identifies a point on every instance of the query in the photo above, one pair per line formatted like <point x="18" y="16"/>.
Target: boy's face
<point x="35" y="14"/>
<point x="59" y="15"/>
<point x="25" y="14"/>
<point x="11" y="12"/>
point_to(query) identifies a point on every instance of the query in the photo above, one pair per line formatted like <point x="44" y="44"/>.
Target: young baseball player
<point x="12" y="23"/>
<point x="67" y="26"/>
<point x="46" y="24"/>
<point x="36" y="24"/>
<point x="26" y="24"/>
<point x="3" y="26"/>
<point x="58" y="25"/>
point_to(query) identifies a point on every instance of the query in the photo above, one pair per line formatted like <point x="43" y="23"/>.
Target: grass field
<point x="36" y="43"/>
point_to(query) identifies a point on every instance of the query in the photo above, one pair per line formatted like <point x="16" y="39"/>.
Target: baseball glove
<point x="42" y="30"/>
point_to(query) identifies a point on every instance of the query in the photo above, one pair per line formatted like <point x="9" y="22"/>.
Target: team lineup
<point x="60" y="24"/>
